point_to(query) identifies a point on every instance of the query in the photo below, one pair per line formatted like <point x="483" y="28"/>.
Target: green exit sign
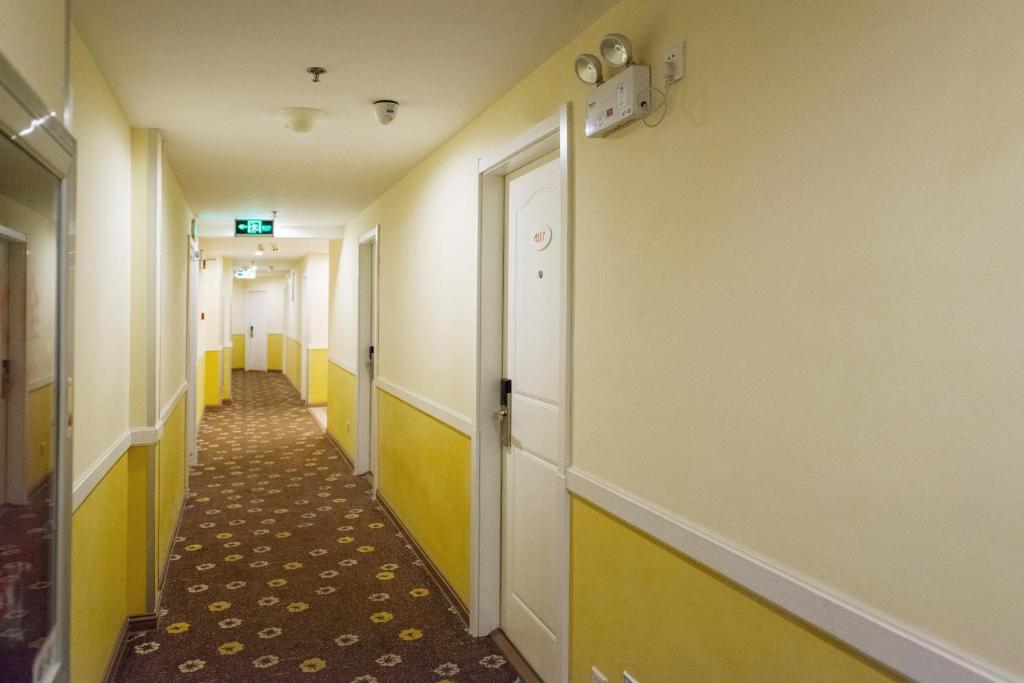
<point x="253" y="227"/>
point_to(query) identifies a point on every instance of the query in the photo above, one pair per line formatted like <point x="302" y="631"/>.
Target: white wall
<point x="210" y="327"/>
<point x="315" y="320"/>
<point x="343" y="305"/>
<point x="175" y="225"/>
<point x="33" y="37"/>
<point x="798" y="314"/>
<point x="41" y="266"/>
<point x="227" y="297"/>
<point x="102" y="278"/>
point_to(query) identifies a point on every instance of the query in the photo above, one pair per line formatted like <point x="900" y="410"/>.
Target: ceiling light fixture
<point x="300" y="119"/>
<point x="588" y="69"/>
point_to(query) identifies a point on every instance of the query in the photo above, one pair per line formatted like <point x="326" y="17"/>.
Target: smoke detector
<point x="385" y="111"/>
<point x="300" y="119"/>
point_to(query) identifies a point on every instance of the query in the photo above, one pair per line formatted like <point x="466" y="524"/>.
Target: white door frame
<point x="192" y="351"/>
<point x="486" y="486"/>
<point x="366" y="397"/>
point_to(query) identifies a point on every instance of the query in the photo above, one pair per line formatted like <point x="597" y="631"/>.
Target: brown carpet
<point x="286" y="569"/>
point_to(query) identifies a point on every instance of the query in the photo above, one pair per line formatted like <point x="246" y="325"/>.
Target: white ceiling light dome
<point x="301" y="119"/>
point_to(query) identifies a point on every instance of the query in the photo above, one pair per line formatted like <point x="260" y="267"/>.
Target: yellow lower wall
<point x="139" y="553"/>
<point x="99" y="574"/>
<point x="40" y="433"/>
<point x="170" y="488"/>
<point x="275" y="352"/>
<point x="630" y="591"/>
<point x="225" y="364"/>
<point x="200" y="387"/>
<point x="211" y="382"/>
<point x="341" y="407"/>
<point x="293" y="362"/>
<point x="317" y="377"/>
<point x="109" y="544"/>
<point x="238" y="352"/>
<point x="424" y="472"/>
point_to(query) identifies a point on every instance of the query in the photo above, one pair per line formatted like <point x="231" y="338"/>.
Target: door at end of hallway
<point x="256" y="346"/>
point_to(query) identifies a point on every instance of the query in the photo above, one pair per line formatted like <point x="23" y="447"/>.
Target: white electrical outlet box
<point x="674" y="63"/>
<point x="623" y="98"/>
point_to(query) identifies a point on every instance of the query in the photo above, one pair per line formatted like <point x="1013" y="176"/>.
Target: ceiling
<point x="212" y="75"/>
<point x="242" y="251"/>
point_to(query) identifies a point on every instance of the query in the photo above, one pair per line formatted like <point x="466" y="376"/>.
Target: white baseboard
<point x="455" y="420"/>
<point x="885" y="640"/>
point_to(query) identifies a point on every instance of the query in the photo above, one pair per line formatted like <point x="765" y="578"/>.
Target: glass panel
<point x="28" y="315"/>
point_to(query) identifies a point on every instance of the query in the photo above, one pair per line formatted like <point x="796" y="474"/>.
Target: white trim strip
<point x="39" y="383"/>
<point x="166" y="412"/>
<point x="456" y="421"/>
<point x="145" y="436"/>
<point x="310" y="347"/>
<point x="84" y="485"/>
<point x="893" y="644"/>
<point x="350" y="368"/>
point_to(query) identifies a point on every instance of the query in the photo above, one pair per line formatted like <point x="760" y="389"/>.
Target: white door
<point x="256" y="344"/>
<point x="367" y="345"/>
<point x="533" y="483"/>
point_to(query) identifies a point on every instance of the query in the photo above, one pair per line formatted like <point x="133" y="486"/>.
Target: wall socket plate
<point x="627" y="678"/>
<point x="596" y="676"/>
<point x="673" y="63"/>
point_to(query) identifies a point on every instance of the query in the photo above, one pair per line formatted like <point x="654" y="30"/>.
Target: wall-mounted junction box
<point x="623" y="98"/>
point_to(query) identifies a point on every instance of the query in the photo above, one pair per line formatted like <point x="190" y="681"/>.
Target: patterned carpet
<point x="286" y="568"/>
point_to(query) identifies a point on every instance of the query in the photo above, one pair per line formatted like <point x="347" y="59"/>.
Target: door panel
<point x="256" y="344"/>
<point x="533" y="484"/>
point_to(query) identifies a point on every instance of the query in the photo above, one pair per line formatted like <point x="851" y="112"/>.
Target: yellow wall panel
<point x="139" y="521"/>
<point x="40" y="433"/>
<point x="275" y="352"/>
<point x="225" y="364"/>
<point x="99" y="585"/>
<point x="637" y="605"/>
<point x="238" y="351"/>
<point x="200" y="387"/>
<point x="170" y="487"/>
<point x="423" y="473"/>
<point x="211" y="383"/>
<point x="341" y="407"/>
<point x="317" y="376"/>
<point x="293" y="362"/>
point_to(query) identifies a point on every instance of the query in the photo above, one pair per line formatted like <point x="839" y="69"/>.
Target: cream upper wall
<point x="41" y="280"/>
<point x="343" y="311"/>
<point x="293" y="303"/>
<point x="102" y="262"/>
<point x="175" y="224"/>
<point x="316" y="318"/>
<point x="33" y="37"/>
<point x="210" y="304"/>
<point x="227" y="296"/>
<point x="798" y="313"/>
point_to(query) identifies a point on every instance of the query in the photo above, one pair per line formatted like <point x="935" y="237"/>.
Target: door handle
<point x="250" y="331"/>
<point x="504" y="424"/>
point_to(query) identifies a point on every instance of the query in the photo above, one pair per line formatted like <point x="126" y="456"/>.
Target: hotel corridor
<point x="285" y="567"/>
